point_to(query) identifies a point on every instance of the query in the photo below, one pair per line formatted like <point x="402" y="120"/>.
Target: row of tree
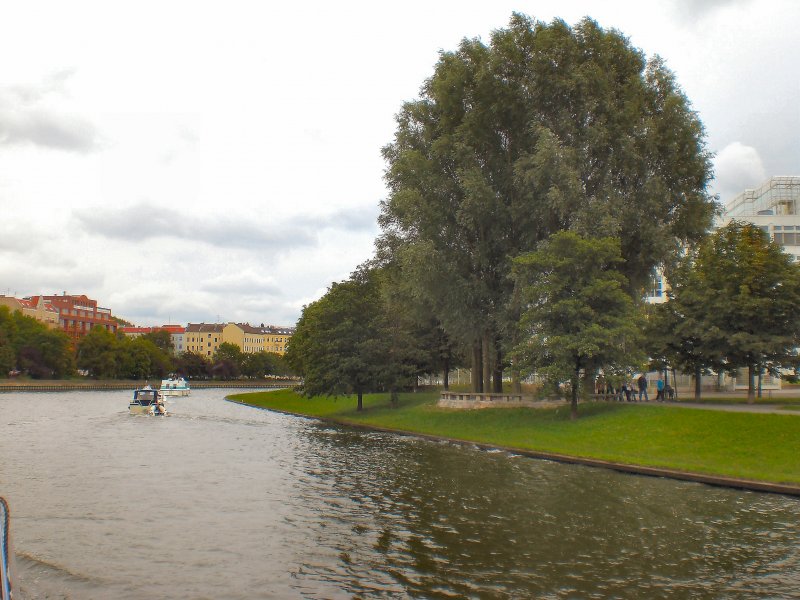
<point x="548" y="128"/>
<point x="28" y="346"/>
<point x="734" y="303"/>
<point x="533" y="190"/>
<point x="31" y="348"/>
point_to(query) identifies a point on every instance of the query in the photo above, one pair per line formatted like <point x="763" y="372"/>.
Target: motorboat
<point x="6" y="554"/>
<point x="147" y="401"/>
<point x="174" y="387"/>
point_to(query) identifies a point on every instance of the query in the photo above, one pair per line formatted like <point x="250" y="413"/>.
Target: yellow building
<point x="37" y="308"/>
<point x="205" y="339"/>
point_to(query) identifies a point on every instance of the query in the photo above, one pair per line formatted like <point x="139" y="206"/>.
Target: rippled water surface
<point x="225" y="501"/>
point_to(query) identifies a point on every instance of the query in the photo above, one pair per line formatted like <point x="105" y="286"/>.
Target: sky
<point x="213" y="162"/>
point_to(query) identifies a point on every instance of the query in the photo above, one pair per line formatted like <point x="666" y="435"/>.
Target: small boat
<point x="174" y="387"/>
<point x="147" y="401"/>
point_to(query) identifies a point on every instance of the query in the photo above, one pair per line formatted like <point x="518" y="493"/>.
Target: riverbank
<point x="748" y="450"/>
<point x="71" y="385"/>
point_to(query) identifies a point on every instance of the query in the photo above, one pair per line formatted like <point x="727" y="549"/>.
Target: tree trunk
<point x="751" y="389"/>
<point x="477" y="373"/>
<point x="760" y="379"/>
<point x="697" y="381"/>
<point x="360" y="400"/>
<point x="588" y="384"/>
<point x="674" y="383"/>
<point x="487" y="363"/>
<point x="446" y="378"/>
<point x="576" y="377"/>
<point x="516" y="384"/>
<point x="497" y="375"/>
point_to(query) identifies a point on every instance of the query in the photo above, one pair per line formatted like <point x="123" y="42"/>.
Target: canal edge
<point x="714" y="480"/>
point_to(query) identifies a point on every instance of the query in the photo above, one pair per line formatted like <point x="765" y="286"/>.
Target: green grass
<point x="763" y="447"/>
<point x="783" y="400"/>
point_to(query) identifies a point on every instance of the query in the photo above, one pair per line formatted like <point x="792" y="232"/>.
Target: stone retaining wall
<point x="472" y="400"/>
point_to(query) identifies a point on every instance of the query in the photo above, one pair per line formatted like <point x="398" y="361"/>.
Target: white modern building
<point x="774" y="206"/>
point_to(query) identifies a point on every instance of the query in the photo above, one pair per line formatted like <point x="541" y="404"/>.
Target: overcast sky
<point x="195" y="161"/>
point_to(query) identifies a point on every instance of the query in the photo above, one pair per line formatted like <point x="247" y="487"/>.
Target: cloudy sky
<point x="196" y="161"/>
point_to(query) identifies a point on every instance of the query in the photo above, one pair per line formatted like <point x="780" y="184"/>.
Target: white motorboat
<point x="174" y="387"/>
<point x="147" y="401"/>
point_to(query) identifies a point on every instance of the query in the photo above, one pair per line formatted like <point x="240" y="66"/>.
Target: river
<point x="221" y="500"/>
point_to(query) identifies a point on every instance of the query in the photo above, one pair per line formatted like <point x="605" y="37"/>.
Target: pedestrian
<point x="600" y="387"/>
<point x="642" y="382"/>
<point x="660" y="390"/>
<point x="629" y="393"/>
<point x="670" y="392"/>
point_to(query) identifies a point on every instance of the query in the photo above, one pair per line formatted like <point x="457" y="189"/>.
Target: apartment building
<point x="77" y="315"/>
<point x="177" y="334"/>
<point x="205" y="338"/>
<point x="42" y="311"/>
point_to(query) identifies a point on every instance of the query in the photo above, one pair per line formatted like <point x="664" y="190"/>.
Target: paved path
<point x="778" y="409"/>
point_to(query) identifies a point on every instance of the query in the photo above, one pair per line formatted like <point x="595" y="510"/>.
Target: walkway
<point x="777" y="409"/>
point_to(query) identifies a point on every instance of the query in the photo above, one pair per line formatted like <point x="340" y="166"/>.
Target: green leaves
<point x="576" y="312"/>
<point x="735" y="302"/>
<point x="547" y="128"/>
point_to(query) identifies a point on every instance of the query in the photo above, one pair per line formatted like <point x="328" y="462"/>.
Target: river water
<point x="225" y="501"/>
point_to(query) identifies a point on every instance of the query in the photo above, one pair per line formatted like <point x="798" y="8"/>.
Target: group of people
<point x="628" y="390"/>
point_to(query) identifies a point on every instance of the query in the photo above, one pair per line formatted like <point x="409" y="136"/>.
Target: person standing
<point x="642" y="382"/>
<point x="660" y="390"/>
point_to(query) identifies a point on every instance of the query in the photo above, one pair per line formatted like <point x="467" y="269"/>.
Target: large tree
<point x="743" y="294"/>
<point x="335" y="347"/>
<point x="576" y="314"/>
<point x="32" y="347"/>
<point x="547" y="128"/>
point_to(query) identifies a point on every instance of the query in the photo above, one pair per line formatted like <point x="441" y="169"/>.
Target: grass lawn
<point x="763" y="447"/>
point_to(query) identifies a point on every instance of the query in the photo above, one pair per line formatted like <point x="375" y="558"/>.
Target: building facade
<point x="205" y="339"/>
<point x="42" y="311"/>
<point x="774" y="207"/>
<point x="176" y="334"/>
<point x="78" y="315"/>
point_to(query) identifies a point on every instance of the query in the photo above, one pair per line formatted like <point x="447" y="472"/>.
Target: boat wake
<point x="39" y="578"/>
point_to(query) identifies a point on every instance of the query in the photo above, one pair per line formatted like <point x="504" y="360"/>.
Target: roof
<point x="204" y="328"/>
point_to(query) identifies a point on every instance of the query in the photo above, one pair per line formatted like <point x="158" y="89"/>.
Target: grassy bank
<point x="763" y="447"/>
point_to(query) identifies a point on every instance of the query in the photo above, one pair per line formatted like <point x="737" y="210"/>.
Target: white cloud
<point x="181" y="180"/>
<point x="737" y="167"/>
<point x="29" y="114"/>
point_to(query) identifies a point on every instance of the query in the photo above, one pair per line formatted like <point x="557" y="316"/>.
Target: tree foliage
<point x="350" y="341"/>
<point x="577" y="315"/>
<point x="547" y="128"/>
<point x="33" y="348"/>
<point x="738" y="296"/>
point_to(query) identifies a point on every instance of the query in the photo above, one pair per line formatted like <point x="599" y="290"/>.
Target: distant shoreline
<point x="89" y="385"/>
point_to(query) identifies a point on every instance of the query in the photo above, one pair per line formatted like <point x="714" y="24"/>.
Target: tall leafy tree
<point x="228" y="361"/>
<point x="32" y="347"/>
<point x="577" y="314"/>
<point x="99" y="352"/>
<point x="192" y="365"/>
<point x="743" y="293"/>
<point x="340" y="344"/>
<point x="547" y="128"/>
<point x="161" y="338"/>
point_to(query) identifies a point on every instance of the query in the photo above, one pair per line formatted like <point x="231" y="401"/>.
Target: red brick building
<point x="77" y="315"/>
